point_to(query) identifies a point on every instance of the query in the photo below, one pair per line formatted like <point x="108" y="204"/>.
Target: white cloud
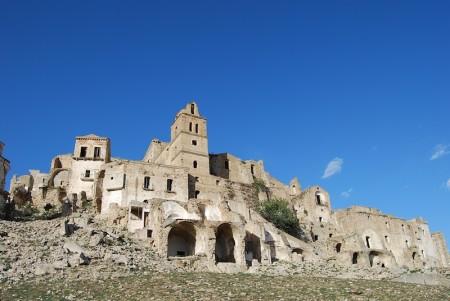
<point x="346" y="194"/>
<point x="440" y="150"/>
<point x="334" y="167"/>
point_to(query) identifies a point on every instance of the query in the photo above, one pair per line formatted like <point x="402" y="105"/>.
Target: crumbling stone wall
<point x="90" y="153"/>
<point x="441" y="246"/>
<point x="125" y="181"/>
<point x="4" y="167"/>
<point x="201" y="207"/>
<point x="408" y="242"/>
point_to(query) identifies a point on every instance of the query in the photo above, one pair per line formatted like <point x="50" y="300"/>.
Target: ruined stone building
<point x="191" y="204"/>
<point x="4" y="167"/>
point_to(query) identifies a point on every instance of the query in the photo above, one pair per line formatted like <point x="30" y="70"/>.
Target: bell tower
<point x="189" y="140"/>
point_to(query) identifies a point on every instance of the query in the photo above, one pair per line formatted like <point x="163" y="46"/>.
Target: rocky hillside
<point x="83" y="257"/>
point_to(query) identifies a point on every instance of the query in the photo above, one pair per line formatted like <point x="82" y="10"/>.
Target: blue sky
<point x="297" y="84"/>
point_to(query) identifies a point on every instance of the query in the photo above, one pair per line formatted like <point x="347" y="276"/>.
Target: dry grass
<point x="209" y="286"/>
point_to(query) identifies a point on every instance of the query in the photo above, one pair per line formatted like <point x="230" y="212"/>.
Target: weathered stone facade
<point x="4" y="168"/>
<point x="194" y="205"/>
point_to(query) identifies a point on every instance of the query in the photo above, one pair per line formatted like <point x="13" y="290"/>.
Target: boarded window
<point x="136" y="213"/>
<point x="146" y="182"/>
<point x="169" y="184"/>
<point x="83" y="152"/>
<point x="97" y="151"/>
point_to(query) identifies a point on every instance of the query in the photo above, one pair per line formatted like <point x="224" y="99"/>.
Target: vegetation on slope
<point x="278" y="212"/>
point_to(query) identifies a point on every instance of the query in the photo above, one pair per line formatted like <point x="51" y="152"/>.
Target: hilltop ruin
<point x="190" y="204"/>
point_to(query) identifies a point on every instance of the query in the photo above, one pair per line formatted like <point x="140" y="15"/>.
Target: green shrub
<point x="259" y="185"/>
<point x="277" y="211"/>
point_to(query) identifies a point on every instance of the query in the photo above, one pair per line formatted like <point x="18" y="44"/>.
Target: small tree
<point x="277" y="211"/>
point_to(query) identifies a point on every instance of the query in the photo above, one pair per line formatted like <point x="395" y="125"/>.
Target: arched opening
<point x="297" y="251"/>
<point x="414" y="256"/>
<point x="192" y="108"/>
<point x="252" y="248"/>
<point x="355" y="258"/>
<point x="57" y="163"/>
<point x="318" y="199"/>
<point x="374" y="258"/>
<point x="297" y="254"/>
<point x="181" y="240"/>
<point x="224" y="244"/>
<point x="338" y="247"/>
<point x="190" y="126"/>
<point x="371" y="256"/>
<point x="83" y="200"/>
<point x="196" y="128"/>
<point x="368" y="242"/>
<point x="270" y="241"/>
<point x="194" y="164"/>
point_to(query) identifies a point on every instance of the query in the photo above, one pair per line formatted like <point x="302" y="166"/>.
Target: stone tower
<point x="189" y="140"/>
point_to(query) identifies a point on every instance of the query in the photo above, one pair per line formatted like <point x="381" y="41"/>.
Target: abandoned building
<point x="4" y="168"/>
<point x="191" y="204"/>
